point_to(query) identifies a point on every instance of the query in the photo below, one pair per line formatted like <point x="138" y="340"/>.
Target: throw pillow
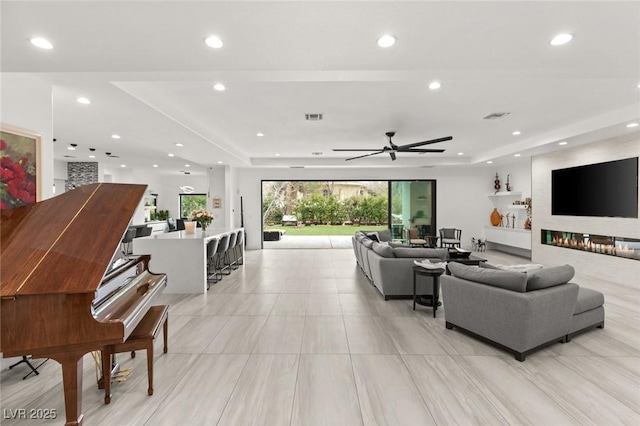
<point x="488" y="265"/>
<point x="421" y="253"/>
<point x="508" y="280"/>
<point x="367" y="242"/>
<point x="384" y="250"/>
<point x="550" y="277"/>
<point x="374" y="236"/>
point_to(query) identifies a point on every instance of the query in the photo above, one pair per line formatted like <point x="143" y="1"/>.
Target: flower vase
<point x="204" y="227"/>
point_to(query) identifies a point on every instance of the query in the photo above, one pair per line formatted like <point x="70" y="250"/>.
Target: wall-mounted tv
<point x="604" y="189"/>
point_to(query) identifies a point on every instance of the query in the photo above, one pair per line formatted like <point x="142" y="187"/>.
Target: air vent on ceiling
<point x="296" y="167"/>
<point x="69" y="156"/>
<point x="496" y="115"/>
<point x="316" y="153"/>
<point x="313" y="117"/>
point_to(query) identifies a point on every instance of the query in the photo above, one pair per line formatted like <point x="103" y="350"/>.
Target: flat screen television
<point x="603" y="190"/>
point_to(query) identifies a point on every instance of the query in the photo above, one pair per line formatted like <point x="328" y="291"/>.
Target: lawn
<point x="324" y="229"/>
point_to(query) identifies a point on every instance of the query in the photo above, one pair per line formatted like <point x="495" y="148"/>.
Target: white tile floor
<point x="299" y="337"/>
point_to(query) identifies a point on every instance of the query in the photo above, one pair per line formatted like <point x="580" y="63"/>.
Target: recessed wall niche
<point x="628" y="248"/>
<point x="81" y="173"/>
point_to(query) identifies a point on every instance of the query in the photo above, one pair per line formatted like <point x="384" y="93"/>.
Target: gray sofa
<point x="389" y="266"/>
<point x="516" y="311"/>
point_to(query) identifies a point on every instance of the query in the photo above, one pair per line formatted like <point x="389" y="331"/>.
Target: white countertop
<point x="211" y="233"/>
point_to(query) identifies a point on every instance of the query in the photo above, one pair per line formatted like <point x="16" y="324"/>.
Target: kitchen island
<point x="182" y="256"/>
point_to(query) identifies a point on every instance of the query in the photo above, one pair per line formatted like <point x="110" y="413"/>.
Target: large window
<point x="191" y="202"/>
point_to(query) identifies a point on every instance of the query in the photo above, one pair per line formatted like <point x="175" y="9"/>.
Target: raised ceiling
<point x="149" y="75"/>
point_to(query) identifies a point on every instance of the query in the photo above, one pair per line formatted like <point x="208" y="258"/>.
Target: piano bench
<point x="142" y="337"/>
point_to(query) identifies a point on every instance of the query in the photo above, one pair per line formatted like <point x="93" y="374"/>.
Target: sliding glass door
<point x="413" y="205"/>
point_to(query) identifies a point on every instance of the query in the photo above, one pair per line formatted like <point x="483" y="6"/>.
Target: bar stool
<point x="239" y="249"/>
<point x="223" y="246"/>
<point x="212" y="271"/>
<point x="230" y="249"/>
<point x="125" y="245"/>
<point x="142" y="337"/>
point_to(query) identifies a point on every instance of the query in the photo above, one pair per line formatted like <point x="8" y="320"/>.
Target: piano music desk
<point x="141" y="338"/>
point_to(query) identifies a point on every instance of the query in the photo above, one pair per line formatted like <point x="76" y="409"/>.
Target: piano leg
<point x="106" y="373"/>
<point x="72" y="379"/>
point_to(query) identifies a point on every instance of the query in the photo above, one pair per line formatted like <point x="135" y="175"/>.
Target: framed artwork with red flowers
<point x="19" y="164"/>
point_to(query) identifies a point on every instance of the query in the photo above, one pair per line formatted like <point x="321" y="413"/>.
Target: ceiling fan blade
<point x="358" y="149"/>
<point x="392" y="154"/>
<point x="415" y="144"/>
<point x="366" y="155"/>
<point x="420" y="150"/>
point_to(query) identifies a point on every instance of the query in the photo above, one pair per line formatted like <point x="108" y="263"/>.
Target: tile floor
<point x="299" y="337"/>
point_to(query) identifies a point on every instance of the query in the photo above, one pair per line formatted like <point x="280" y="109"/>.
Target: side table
<point x="435" y="274"/>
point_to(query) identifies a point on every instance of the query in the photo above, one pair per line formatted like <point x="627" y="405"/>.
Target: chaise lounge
<point x="519" y="312"/>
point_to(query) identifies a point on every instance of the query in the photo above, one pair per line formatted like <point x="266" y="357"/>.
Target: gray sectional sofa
<point x="389" y="266"/>
<point x="516" y="311"/>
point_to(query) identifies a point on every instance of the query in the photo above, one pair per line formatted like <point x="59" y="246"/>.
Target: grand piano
<point x="62" y="294"/>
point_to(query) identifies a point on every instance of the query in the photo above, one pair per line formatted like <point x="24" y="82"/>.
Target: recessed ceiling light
<point x="72" y="147"/>
<point x="170" y="155"/>
<point x="632" y="125"/>
<point x="83" y="100"/>
<point x="516" y="155"/>
<point x="386" y="41"/>
<point x="516" y="133"/>
<point x="42" y="43"/>
<point x="219" y="162"/>
<point x="115" y="136"/>
<point x="277" y="155"/>
<point x="563" y="143"/>
<point x="259" y="134"/>
<point x="92" y="156"/>
<point x="461" y="153"/>
<point x="561" y="39"/>
<point x="155" y="165"/>
<point x="123" y="165"/>
<point x="187" y="165"/>
<point x="219" y="87"/>
<point x="489" y="162"/>
<point x="179" y="144"/>
<point x="213" y="41"/>
<point x="435" y="85"/>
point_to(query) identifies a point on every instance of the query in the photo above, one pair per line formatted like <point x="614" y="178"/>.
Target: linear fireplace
<point x="628" y="248"/>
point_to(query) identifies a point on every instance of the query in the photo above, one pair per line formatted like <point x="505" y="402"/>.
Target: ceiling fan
<point x="393" y="148"/>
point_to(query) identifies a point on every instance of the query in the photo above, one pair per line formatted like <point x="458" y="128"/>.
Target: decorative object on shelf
<point x="507" y="185"/>
<point x="495" y="217"/>
<point x="527" y="223"/>
<point x="203" y="217"/>
<point x="496" y="183"/>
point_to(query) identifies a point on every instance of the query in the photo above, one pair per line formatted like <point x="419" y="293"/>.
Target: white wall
<point x="26" y="103"/>
<point x="623" y="271"/>
<point x="461" y="196"/>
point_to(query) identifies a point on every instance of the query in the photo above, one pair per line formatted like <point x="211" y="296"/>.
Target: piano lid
<point x="66" y="243"/>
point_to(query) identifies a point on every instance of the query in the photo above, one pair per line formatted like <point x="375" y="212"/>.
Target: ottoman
<point x="588" y="313"/>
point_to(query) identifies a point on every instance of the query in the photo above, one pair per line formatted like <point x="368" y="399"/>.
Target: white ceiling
<point x="149" y="76"/>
